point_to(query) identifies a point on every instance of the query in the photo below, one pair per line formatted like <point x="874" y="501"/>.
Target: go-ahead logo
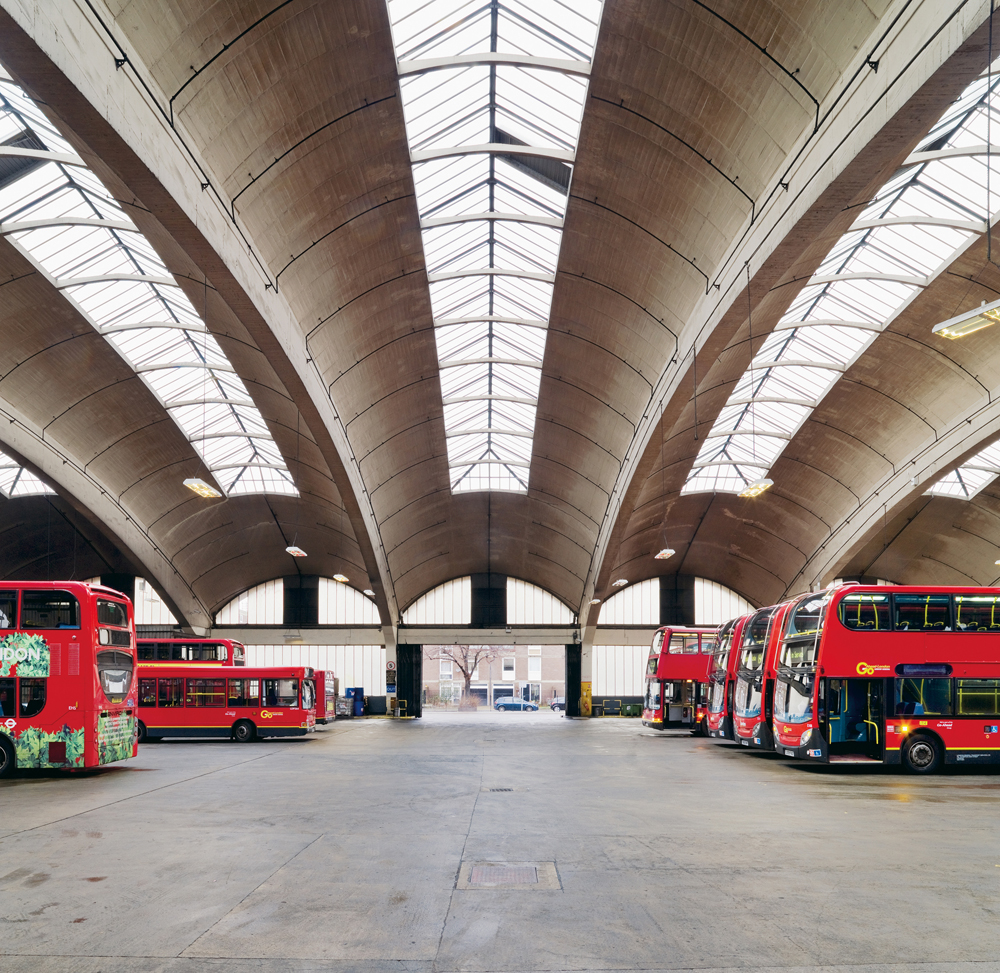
<point x="267" y="714"/>
<point x="867" y="669"/>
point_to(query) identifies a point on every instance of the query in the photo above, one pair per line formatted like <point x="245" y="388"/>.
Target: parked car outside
<point x="558" y="702"/>
<point x="509" y="702"/>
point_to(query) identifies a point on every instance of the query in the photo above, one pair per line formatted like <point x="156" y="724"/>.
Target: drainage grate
<point x="494" y="790"/>
<point x="484" y="875"/>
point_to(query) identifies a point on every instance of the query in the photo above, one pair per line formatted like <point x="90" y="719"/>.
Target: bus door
<point x="855" y="714"/>
<point x="680" y="695"/>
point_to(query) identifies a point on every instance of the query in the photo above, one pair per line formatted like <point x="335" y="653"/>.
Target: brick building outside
<point x="535" y="672"/>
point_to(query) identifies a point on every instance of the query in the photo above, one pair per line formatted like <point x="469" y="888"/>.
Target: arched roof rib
<point x="493" y="95"/>
<point x="876" y="268"/>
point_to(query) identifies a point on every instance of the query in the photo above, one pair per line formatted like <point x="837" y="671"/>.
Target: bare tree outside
<point x="467" y="658"/>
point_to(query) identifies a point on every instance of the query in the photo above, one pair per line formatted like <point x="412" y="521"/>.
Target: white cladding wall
<point x="149" y="606"/>
<point x="263" y="605"/>
<point x="530" y="605"/>
<point x="715" y="604"/>
<point x="638" y="604"/>
<point x="447" y="604"/>
<point x="340" y="604"/>
<point x="618" y="670"/>
<point x="353" y="665"/>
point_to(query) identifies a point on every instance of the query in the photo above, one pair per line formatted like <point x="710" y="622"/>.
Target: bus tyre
<point x="140" y="728"/>
<point x="244" y="731"/>
<point x="922" y="754"/>
<point x="8" y="757"/>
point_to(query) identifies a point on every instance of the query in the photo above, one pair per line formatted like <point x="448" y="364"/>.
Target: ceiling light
<point x="664" y="554"/>
<point x="969" y="321"/>
<point x="619" y="583"/>
<point x="996" y="562"/>
<point x="341" y="578"/>
<point x="595" y="601"/>
<point x="369" y="592"/>
<point x="200" y="487"/>
<point x="756" y="488"/>
<point x="295" y="551"/>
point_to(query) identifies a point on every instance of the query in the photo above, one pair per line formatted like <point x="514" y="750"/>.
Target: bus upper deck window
<point x="977" y="613"/>
<point x="923" y="613"/>
<point x="49" y="609"/>
<point x="866" y="612"/>
<point x="8" y="609"/>
<point x="111" y="613"/>
<point x="115" y="670"/>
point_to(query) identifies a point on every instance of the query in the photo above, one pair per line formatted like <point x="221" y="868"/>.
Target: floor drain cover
<point x="508" y="876"/>
<point x="503" y="875"/>
<point x="494" y="790"/>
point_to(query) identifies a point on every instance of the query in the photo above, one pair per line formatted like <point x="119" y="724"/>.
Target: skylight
<point x="58" y="214"/>
<point x="922" y="218"/>
<point x="971" y="477"/>
<point x="493" y="93"/>
<point x="16" y="481"/>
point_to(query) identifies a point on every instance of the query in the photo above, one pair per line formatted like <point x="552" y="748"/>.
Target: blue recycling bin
<point x="357" y="693"/>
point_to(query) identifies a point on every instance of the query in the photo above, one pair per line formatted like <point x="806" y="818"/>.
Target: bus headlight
<point x="805" y="737"/>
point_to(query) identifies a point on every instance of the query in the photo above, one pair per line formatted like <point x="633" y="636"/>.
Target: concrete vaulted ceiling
<point x="261" y="148"/>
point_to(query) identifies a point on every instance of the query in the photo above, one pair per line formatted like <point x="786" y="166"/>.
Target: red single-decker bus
<point x="67" y="658"/>
<point x="677" y="677"/>
<point x="217" y="701"/>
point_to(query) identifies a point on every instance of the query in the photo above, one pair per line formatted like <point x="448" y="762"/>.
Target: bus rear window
<point x="924" y="613"/>
<point x="683" y="645"/>
<point x="49" y="609"/>
<point x="977" y="613"/>
<point x="239" y="655"/>
<point x="111" y="613"/>
<point x="866" y="612"/>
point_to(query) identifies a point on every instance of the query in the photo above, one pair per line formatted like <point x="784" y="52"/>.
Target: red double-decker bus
<point x="677" y="677"/>
<point x="226" y="652"/>
<point x="753" y="698"/>
<point x="199" y="701"/>
<point x="67" y="658"/>
<point x="722" y="678"/>
<point x="899" y="675"/>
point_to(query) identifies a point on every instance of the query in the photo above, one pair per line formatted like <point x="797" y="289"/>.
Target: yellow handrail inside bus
<point x="872" y="723"/>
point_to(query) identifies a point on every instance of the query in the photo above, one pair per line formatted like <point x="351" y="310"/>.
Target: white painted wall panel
<point x="528" y="604"/>
<point x="354" y="665"/>
<point x="448" y="604"/>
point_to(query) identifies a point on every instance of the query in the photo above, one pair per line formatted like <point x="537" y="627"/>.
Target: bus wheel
<point x="922" y="754"/>
<point x="141" y="731"/>
<point x="244" y="731"/>
<point x="8" y="758"/>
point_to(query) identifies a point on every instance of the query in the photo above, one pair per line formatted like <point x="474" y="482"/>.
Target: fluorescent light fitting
<point x="969" y="321"/>
<point x="343" y="579"/>
<point x="665" y="553"/>
<point x="595" y="601"/>
<point x="200" y="487"/>
<point x="756" y="488"/>
<point x="369" y="592"/>
<point x="996" y="562"/>
<point x="296" y="551"/>
<point x="621" y="582"/>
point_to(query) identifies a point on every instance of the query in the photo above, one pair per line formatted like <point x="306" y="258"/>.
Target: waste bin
<point x="357" y="693"/>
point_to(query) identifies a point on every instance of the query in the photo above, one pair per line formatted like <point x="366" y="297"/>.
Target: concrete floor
<point x="341" y="852"/>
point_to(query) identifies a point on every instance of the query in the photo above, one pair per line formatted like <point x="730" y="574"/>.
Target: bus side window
<point x="7" y="697"/>
<point x="171" y="692"/>
<point x="145" y="651"/>
<point x="147" y="692"/>
<point x="923" y="697"/>
<point x="32" y="696"/>
<point x="978" y="697"/>
<point x="8" y="609"/>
